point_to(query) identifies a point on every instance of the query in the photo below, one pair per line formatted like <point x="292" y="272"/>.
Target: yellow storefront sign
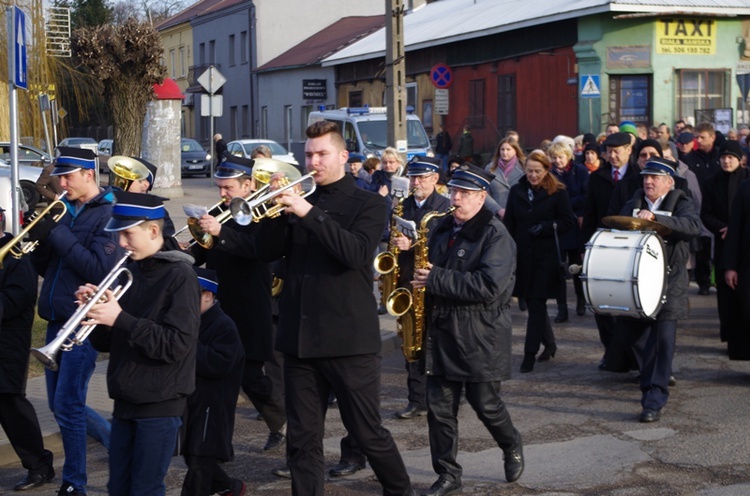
<point x="680" y="36"/>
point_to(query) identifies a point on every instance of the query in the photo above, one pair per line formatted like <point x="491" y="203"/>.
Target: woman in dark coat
<point x="575" y="177"/>
<point x="718" y="194"/>
<point x="536" y="205"/>
<point x="210" y="418"/>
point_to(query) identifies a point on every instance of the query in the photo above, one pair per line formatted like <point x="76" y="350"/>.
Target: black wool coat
<point x="598" y="195"/>
<point x="219" y="363"/>
<point x="327" y="308"/>
<point x="244" y="285"/>
<point x="538" y="270"/>
<point x="467" y="301"/>
<point x="685" y="225"/>
<point x="715" y="208"/>
<point x="737" y="244"/>
<point x="18" y="285"/>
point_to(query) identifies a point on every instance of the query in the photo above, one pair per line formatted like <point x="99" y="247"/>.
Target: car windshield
<point x="81" y="141"/>
<point x="375" y="134"/>
<point x="189" y="145"/>
<point x="276" y="149"/>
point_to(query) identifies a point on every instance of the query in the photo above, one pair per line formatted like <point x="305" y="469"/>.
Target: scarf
<point x="508" y="166"/>
<point x="592" y="167"/>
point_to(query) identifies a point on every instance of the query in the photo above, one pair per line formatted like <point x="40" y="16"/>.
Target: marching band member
<point x="73" y="251"/>
<point x="18" y="286"/>
<point x="423" y="174"/>
<point x="151" y="333"/>
<point x="211" y="407"/>
<point x="654" y="340"/>
<point x="468" y="285"/>
<point x="328" y="325"/>
<point x="245" y="293"/>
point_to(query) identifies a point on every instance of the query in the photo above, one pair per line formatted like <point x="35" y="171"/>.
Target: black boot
<point x="562" y="314"/>
<point x="549" y="352"/>
<point x="528" y="362"/>
<point x="581" y="306"/>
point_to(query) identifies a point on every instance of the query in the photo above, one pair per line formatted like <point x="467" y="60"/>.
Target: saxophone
<point x="386" y="263"/>
<point x="408" y="306"/>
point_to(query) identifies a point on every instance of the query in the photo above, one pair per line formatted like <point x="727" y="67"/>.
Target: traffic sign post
<point x="17" y="78"/>
<point x="212" y="80"/>
<point x="441" y="76"/>
<point x="589" y="85"/>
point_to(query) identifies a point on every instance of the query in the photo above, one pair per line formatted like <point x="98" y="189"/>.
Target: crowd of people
<point x="183" y="344"/>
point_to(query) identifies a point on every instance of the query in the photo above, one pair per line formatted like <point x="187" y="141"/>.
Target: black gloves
<point x="41" y="230"/>
<point x="535" y="230"/>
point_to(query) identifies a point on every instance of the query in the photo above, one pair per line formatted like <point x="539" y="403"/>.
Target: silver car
<point x="31" y="162"/>
<point x="244" y="148"/>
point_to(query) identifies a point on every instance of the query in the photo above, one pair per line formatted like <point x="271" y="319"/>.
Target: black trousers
<point x="350" y="451"/>
<point x="605" y="324"/>
<point x="265" y="398"/>
<point x="733" y="327"/>
<point x="416" y="383"/>
<point x="204" y="477"/>
<point x="484" y="397"/>
<point x="574" y="258"/>
<point x="19" y="421"/>
<point x="703" y="262"/>
<point x="355" y="380"/>
<point x="538" y="328"/>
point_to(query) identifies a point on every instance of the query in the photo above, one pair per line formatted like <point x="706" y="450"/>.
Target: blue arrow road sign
<point x="20" y="78"/>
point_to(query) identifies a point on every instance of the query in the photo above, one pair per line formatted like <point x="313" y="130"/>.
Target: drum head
<point x="651" y="274"/>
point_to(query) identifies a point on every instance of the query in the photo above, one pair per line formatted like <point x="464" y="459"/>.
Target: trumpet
<point x="24" y="248"/>
<point x="73" y="333"/>
<point x="266" y="206"/>
<point x="263" y="169"/>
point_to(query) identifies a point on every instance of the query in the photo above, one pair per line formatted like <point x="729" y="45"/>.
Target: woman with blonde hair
<point x="537" y="207"/>
<point x="507" y="166"/>
<point x="392" y="166"/>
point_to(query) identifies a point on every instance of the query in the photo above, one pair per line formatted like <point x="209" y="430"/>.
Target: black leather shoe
<point x="410" y="412"/>
<point x="275" y="440"/>
<point x="580" y="306"/>
<point x="704" y="290"/>
<point x="549" y="352"/>
<point x="562" y="315"/>
<point x="513" y="463"/>
<point x="382" y="310"/>
<point x="68" y="490"/>
<point x="443" y="487"/>
<point x="672" y="381"/>
<point x="649" y="415"/>
<point x="528" y="363"/>
<point x="522" y="304"/>
<point x="32" y="481"/>
<point x="342" y="469"/>
<point x="284" y="472"/>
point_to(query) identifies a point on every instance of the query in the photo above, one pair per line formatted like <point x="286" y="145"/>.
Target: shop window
<point x="630" y="99"/>
<point x="355" y="98"/>
<point x="699" y="89"/>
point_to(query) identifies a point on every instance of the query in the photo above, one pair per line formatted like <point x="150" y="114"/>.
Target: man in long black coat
<point x="602" y="183"/>
<point x="719" y="193"/>
<point x="328" y="327"/>
<point x="736" y="248"/>
<point x="467" y="348"/>
<point x="245" y="294"/>
<point x="18" y="285"/>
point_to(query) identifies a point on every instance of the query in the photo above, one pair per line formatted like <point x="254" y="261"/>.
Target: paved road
<point x="579" y="424"/>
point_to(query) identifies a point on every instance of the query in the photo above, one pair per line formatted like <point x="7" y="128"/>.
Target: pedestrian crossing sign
<point x="590" y="86"/>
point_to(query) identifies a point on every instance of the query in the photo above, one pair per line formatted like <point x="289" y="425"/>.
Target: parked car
<point x="244" y="148"/>
<point x="89" y="143"/>
<point x="105" y="147"/>
<point x="31" y="161"/>
<point x="5" y="198"/>
<point x="195" y="160"/>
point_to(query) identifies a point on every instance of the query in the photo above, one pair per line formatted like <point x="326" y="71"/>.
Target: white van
<point x="366" y="130"/>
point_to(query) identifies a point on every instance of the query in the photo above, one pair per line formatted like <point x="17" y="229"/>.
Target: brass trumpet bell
<point x="124" y="170"/>
<point x="264" y="168"/>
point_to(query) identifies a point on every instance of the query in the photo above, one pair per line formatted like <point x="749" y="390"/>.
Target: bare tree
<point x="125" y="59"/>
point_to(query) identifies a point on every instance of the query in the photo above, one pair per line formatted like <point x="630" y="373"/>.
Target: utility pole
<point x="395" y="75"/>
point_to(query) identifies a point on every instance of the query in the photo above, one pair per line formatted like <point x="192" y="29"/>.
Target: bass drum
<point x="625" y="273"/>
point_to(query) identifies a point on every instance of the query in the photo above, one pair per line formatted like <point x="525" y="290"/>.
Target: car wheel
<point x="30" y="194"/>
<point x="208" y="174"/>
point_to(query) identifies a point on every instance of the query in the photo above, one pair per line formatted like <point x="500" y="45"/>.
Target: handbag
<point x="562" y="263"/>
